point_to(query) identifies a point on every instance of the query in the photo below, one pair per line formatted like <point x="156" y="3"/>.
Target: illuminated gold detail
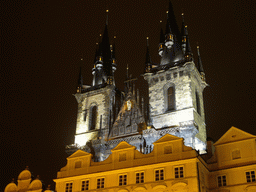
<point x="100" y="35"/>
<point x="114" y="37"/>
<point x="161" y="21"/>
<point x="182" y="14"/>
<point x="81" y="59"/>
<point x="107" y="10"/>
<point x="147" y="38"/>
<point x="100" y="58"/>
<point x="186" y="26"/>
<point x="197" y="47"/>
<point x="166" y="11"/>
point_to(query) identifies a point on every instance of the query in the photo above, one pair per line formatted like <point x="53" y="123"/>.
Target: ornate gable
<point x="129" y="120"/>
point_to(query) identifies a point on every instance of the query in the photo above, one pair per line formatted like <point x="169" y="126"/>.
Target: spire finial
<point x="127" y="71"/>
<point x="147" y="41"/>
<point x="107" y="17"/>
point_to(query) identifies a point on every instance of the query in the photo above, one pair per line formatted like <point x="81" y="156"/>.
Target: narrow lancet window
<point x="198" y="107"/>
<point x="93" y="118"/>
<point x="171" y="98"/>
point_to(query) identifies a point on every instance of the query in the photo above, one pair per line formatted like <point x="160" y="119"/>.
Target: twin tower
<point x="106" y="115"/>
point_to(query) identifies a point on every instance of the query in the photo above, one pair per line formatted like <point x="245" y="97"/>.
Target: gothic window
<point x="100" y="183"/>
<point x="93" y="117"/>
<point x="198" y="107"/>
<point x="159" y="174"/>
<point x="222" y="181"/>
<point x="69" y="187"/>
<point x="170" y="98"/>
<point x="140" y="177"/>
<point x="85" y="185"/>
<point x="122" y="180"/>
<point x="250" y="176"/>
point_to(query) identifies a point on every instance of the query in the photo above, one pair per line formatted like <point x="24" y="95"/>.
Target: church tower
<point x="97" y="104"/>
<point x="176" y="87"/>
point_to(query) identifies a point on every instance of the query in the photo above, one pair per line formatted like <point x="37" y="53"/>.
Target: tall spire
<point x="183" y="34"/>
<point x="148" y="63"/>
<point x="200" y="65"/>
<point x="188" y="53"/>
<point x="80" y="80"/>
<point x="161" y="41"/>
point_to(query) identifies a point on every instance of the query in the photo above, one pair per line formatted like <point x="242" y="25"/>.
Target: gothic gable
<point x="129" y="120"/>
<point x="78" y="153"/>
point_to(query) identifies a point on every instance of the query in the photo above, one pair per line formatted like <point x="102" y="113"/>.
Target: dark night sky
<point x="42" y="44"/>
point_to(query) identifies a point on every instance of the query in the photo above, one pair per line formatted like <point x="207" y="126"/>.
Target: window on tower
<point x="198" y="107"/>
<point x="171" y="98"/>
<point x="93" y="117"/>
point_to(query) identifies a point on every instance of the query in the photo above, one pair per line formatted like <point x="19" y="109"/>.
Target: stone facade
<point x="187" y="83"/>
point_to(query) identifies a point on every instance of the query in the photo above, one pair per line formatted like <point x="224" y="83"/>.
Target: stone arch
<point x="159" y="188"/>
<point x="181" y="187"/>
<point x="139" y="189"/>
<point x="251" y="188"/>
<point x="35" y="185"/>
<point x="11" y="187"/>
<point x="169" y="98"/>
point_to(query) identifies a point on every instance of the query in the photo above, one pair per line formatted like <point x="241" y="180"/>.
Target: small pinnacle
<point x="12" y="180"/>
<point x="27" y="168"/>
<point x="147" y="38"/>
<point x="49" y="187"/>
<point x="114" y="37"/>
<point x="166" y="11"/>
<point x="100" y="35"/>
<point x="161" y="21"/>
<point x="186" y="26"/>
<point x="82" y="59"/>
<point x="197" y="47"/>
<point x="107" y="10"/>
<point x="182" y="14"/>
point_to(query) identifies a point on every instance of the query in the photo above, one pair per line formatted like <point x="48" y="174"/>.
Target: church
<point x="125" y="142"/>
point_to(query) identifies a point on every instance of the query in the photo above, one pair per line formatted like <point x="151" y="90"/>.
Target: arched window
<point x="198" y="107"/>
<point x="171" y="98"/>
<point x="93" y="117"/>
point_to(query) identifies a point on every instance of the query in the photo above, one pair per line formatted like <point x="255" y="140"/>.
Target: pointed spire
<point x="200" y="65"/>
<point x="80" y="80"/>
<point x="188" y="53"/>
<point x="161" y="41"/>
<point x="183" y="34"/>
<point x="148" y="63"/>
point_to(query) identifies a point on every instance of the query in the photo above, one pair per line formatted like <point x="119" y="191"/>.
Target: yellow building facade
<point x="171" y="166"/>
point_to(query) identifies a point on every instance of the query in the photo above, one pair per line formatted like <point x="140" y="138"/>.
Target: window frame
<point x="159" y="177"/>
<point x="69" y="186"/>
<point x="102" y="181"/>
<point x="121" y="179"/>
<point x="250" y="175"/>
<point x="221" y="184"/>
<point x="86" y="185"/>
<point x="141" y="174"/>
<point x="179" y="172"/>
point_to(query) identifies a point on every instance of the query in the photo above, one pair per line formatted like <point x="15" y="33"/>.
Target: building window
<point x="100" y="183"/>
<point x="181" y="73"/>
<point x="168" y="76"/>
<point x="140" y="177"/>
<point x="250" y="176"/>
<point x="85" y="185"/>
<point x="93" y="117"/>
<point x="171" y="98"/>
<point x="236" y="154"/>
<point x="122" y="180"/>
<point x="222" y="181"/>
<point x="179" y="172"/>
<point x="175" y="75"/>
<point x="198" y="107"/>
<point x="159" y="174"/>
<point x="69" y="187"/>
